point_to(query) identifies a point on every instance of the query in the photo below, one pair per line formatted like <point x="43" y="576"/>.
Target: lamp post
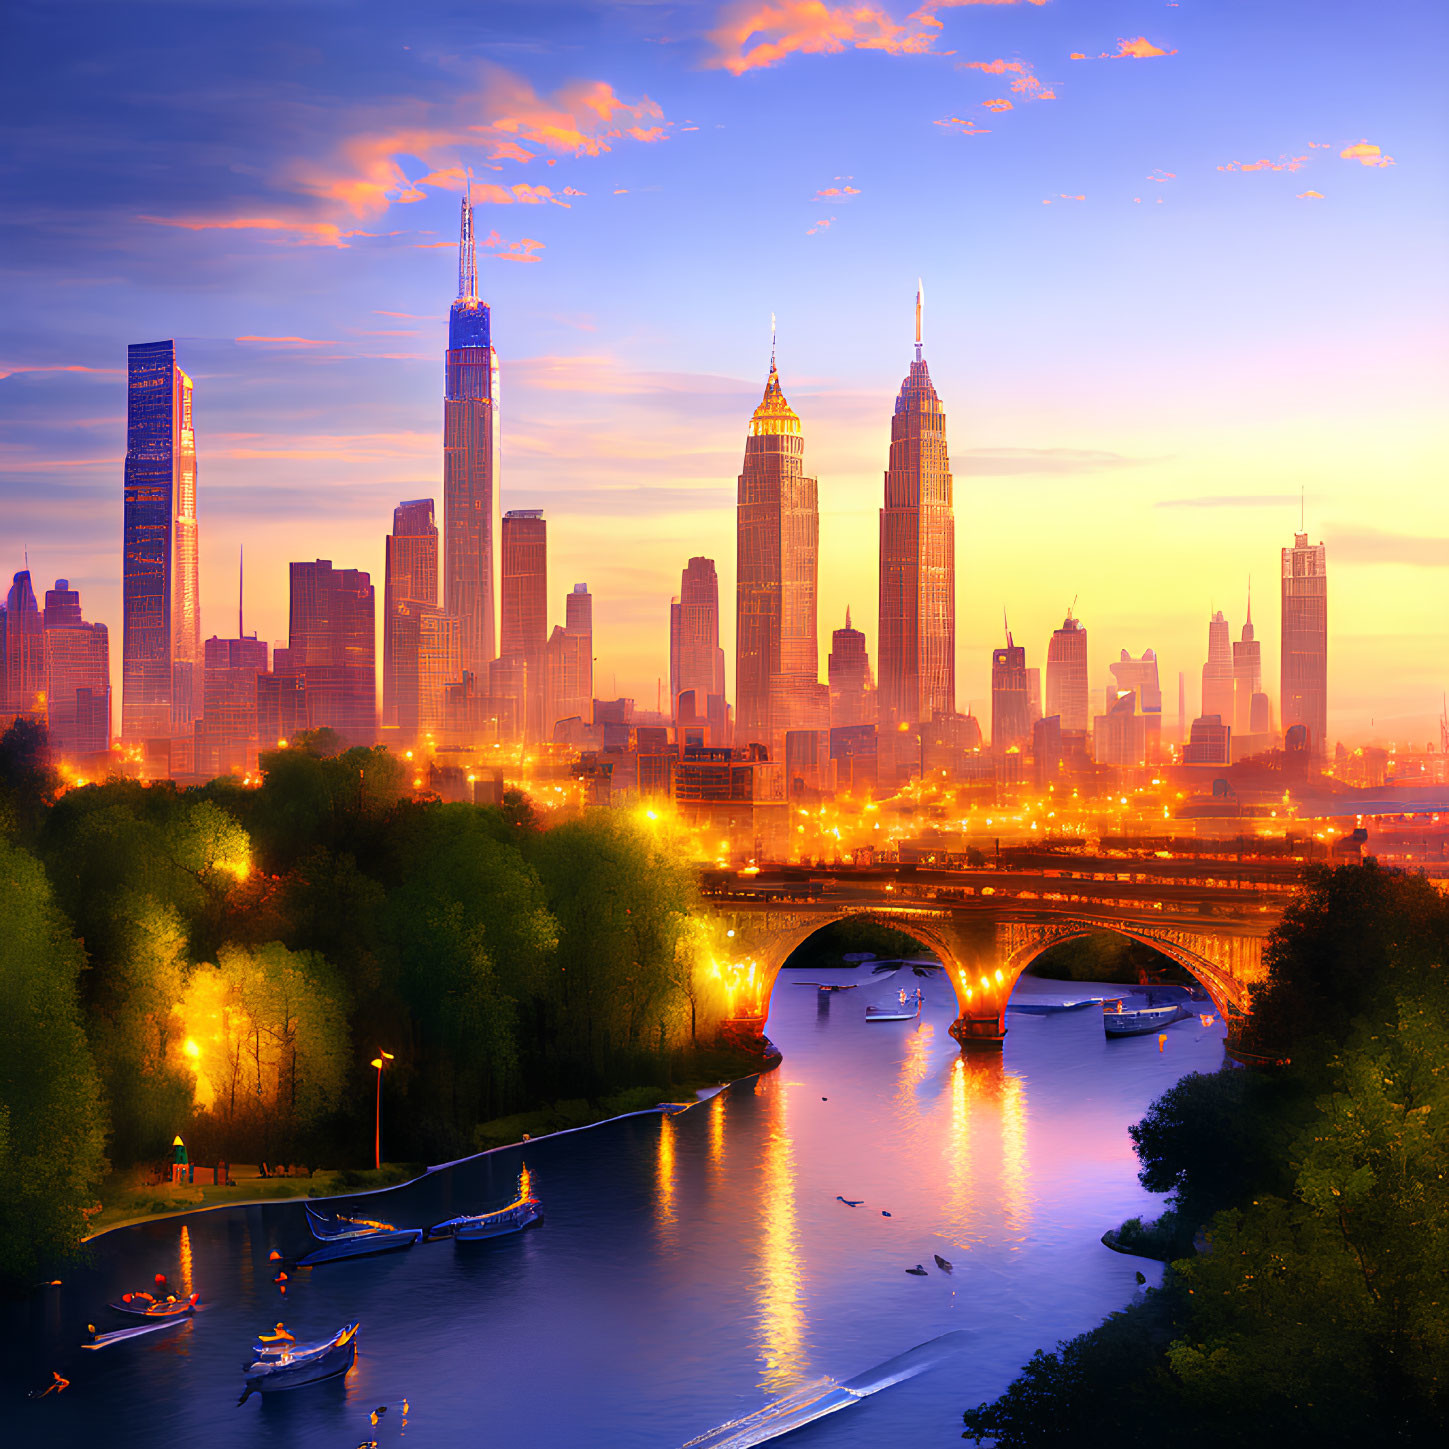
<point x="377" y="1062"/>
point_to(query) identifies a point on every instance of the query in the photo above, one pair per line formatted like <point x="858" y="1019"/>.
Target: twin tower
<point x="777" y="680"/>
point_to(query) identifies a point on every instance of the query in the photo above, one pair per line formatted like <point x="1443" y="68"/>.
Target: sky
<point x="1183" y="268"/>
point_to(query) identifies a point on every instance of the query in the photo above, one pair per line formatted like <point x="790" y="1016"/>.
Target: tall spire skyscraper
<point x="917" y="648"/>
<point x="1304" y="659"/>
<point x="470" y="464"/>
<point x="1217" y="673"/>
<point x="160" y="571"/>
<point x="777" y="664"/>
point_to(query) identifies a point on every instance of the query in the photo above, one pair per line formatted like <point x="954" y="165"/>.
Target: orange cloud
<point x="820" y="225"/>
<point x="1283" y="163"/>
<point x="1139" y="49"/>
<point x="963" y="128"/>
<point x="1161" y="175"/>
<point x="11" y="371"/>
<point x="1366" y="154"/>
<point x="752" y="34"/>
<point x="1310" y="196"/>
<point x="997" y="105"/>
<point x="526" y="249"/>
<point x="293" y="341"/>
<point x="993" y="67"/>
<point x="1076" y="55"/>
<point x="1062" y="196"/>
<point x="302" y="233"/>
<point x="844" y="193"/>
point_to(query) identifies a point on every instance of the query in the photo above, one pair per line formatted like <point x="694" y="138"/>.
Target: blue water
<point x="690" y="1269"/>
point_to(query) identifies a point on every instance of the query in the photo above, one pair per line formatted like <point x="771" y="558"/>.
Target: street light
<point x="377" y="1062"/>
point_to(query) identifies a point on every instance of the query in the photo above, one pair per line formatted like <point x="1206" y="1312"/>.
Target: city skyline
<point x="1152" y="496"/>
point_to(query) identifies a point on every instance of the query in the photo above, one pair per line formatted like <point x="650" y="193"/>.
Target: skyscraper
<point x="1252" y="712"/>
<point x="1067" y="689"/>
<point x="77" y="676"/>
<point x="1139" y="677"/>
<point x="1010" y="698"/>
<point x="331" y="646"/>
<point x="1303" y="696"/>
<point x="525" y="610"/>
<point x="226" y="732"/>
<point x="917" y="645"/>
<point x="410" y="583"/>
<point x="470" y="463"/>
<point x="570" y="663"/>
<point x="848" y="671"/>
<point x="160" y="582"/>
<point x="777" y="664"/>
<point x="24" y="685"/>
<point x="695" y="659"/>
<point x="1217" y="673"/>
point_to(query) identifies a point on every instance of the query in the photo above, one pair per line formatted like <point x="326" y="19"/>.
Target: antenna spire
<point x="847" y="616"/>
<point x="920" y="308"/>
<point x="467" y="257"/>
<point x="1250" y="600"/>
<point x="1006" y="626"/>
<point x="772" y="342"/>
<point x="240" y="577"/>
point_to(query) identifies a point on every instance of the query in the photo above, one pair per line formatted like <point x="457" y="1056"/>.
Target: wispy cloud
<point x="1283" y="163"/>
<point x="1376" y="546"/>
<point x="963" y="128"/>
<point x="1136" y="48"/>
<point x="837" y="193"/>
<point x="526" y="249"/>
<point x="752" y="34"/>
<point x="1063" y="196"/>
<point x="820" y="225"/>
<point x="1232" y="500"/>
<point x="13" y="369"/>
<point x="290" y="231"/>
<point x="1004" y="462"/>
<point x="999" y="104"/>
<point x="1309" y="196"/>
<point x="292" y="341"/>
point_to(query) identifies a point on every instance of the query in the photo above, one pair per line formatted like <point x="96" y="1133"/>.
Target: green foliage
<point x="52" y="1124"/>
<point x="28" y="781"/>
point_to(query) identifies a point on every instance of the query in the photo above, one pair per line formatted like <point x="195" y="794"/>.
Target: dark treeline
<point x="1315" y="1189"/>
<point x="224" y="963"/>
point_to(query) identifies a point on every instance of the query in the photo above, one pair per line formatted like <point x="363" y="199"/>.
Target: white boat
<point x="1118" y="1020"/>
<point x="905" y="1010"/>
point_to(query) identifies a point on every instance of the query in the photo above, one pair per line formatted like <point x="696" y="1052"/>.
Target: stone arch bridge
<point x="987" y="927"/>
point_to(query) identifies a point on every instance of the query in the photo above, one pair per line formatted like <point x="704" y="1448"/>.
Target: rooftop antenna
<point x="467" y="257"/>
<point x="847" y="616"/>
<point x="1250" y="599"/>
<point x="240" y="577"/>
<point x="1006" y="626"/>
<point x="772" y="342"/>
<point x="920" y="307"/>
<point x="1072" y="607"/>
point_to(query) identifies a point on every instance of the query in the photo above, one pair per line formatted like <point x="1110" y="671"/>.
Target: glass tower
<point x="1066" y="675"/>
<point x="470" y="463"/>
<point x="917" y="561"/>
<point x="1304" y="660"/>
<point x="695" y="659"/>
<point x="160" y="584"/>
<point x="410" y="583"/>
<point x="524" y="615"/>
<point x="777" y="663"/>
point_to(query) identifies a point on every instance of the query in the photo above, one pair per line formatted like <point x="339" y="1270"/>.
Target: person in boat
<point x="278" y="1336"/>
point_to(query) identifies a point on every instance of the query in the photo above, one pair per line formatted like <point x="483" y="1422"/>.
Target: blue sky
<point x="1216" y="309"/>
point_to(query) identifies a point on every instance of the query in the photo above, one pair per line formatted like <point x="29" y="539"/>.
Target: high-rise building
<point x="410" y="584"/>
<point x="1217" y="673"/>
<point x="160" y="570"/>
<point x="331" y="645"/>
<point x="525" y="612"/>
<point x="226" y="732"/>
<point x="1303" y="693"/>
<point x="1119" y="736"/>
<point x="77" y="676"/>
<point x="917" y="644"/>
<point x="696" y="662"/>
<point x="471" y="463"/>
<point x="570" y="662"/>
<point x="1252" y="710"/>
<point x="24" y="682"/>
<point x="1067" y="688"/>
<point x="852" y="695"/>
<point x="1010" y="698"/>
<point x="777" y="664"/>
<point x="1210" y="743"/>
<point x="1139" y="677"/>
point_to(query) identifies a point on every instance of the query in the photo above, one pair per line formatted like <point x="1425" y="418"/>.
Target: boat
<point x="1051" y="1008"/>
<point x="141" y="1330"/>
<point x="1119" y="1020"/>
<point x="903" y="1011"/>
<point x="341" y="1236"/>
<point x="523" y="1212"/>
<point x="296" y="1364"/>
<point x="143" y="1305"/>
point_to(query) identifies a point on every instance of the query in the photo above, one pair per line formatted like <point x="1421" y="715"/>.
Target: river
<point x="690" y="1268"/>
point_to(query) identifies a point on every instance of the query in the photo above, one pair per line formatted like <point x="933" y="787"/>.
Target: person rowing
<point x="279" y="1338"/>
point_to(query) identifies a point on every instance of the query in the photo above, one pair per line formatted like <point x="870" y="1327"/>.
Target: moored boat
<point x="143" y="1305"/>
<point x="522" y="1213"/>
<point x="1119" y="1020"/>
<point x="122" y="1335"/>
<point x="907" y="1010"/>
<point x="340" y="1236"/>
<point x="297" y="1364"/>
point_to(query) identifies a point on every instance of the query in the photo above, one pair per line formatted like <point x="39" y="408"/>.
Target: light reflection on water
<point x="688" y="1268"/>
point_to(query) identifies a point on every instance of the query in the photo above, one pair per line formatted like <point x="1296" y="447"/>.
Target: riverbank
<point x="133" y="1201"/>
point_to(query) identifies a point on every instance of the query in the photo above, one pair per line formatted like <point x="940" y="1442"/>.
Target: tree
<point x="28" y="781"/>
<point x="52" y="1125"/>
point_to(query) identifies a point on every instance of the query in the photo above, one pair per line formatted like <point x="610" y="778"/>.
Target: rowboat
<point x="143" y="1305"/>
<point x="121" y="1335"/>
<point x="303" y="1363"/>
<point x="1119" y="1021"/>
<point x="522" y="1213"/>
<point x="340" y="1236"/>
<point x="901" y="1012"/>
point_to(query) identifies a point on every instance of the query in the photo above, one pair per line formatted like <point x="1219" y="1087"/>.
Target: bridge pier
<point x="980" y="1033"/>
